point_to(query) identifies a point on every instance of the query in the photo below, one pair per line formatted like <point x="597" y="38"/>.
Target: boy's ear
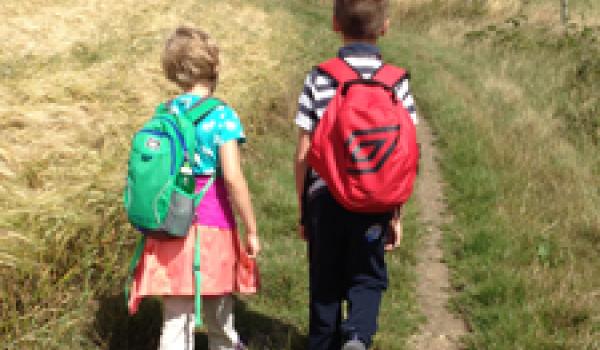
<point x="386" y="26"/>
<point x="336" y="25"/>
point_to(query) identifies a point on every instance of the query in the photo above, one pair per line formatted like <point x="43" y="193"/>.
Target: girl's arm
<point x="300" y="167"/>
<point x="238" y="192"/>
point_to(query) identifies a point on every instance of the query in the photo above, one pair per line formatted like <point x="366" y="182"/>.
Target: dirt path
<point x="442" y="329"/>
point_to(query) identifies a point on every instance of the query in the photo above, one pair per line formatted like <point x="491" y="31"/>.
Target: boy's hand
<point x="395" y="235"/>
<point x="252" y="245"/>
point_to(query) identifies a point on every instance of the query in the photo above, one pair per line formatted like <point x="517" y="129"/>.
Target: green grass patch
<point x="517" y="253"/>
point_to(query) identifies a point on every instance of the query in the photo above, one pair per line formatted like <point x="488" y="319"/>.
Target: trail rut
<point x="442" y="329"/>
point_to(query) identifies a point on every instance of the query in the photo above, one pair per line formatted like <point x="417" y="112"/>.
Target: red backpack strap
<point x="390" y="75"/>
<point x="339" y="70"/>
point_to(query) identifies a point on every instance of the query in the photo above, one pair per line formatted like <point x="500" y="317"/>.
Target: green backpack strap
<point x="196" y="111"/>
<point x="198" y="196"/>
<point x="139" y="250"/>
<point x="196" y="114"/>
<point x="202" y="108"/>
<point x="197" y="253"/>
<point x="163" y="108"/>
<point x="197" y="282"/>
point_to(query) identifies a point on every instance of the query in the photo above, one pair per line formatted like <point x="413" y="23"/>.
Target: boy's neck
<point x="200" y="90"/>
<point x="349" y="41"/>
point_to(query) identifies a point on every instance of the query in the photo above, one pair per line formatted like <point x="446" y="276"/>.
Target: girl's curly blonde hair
<point x="191" y="57"/>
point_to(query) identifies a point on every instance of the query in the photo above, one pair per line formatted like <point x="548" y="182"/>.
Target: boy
<point x="346" y="249"/>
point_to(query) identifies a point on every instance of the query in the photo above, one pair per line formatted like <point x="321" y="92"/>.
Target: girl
<point x="191" y="60"/>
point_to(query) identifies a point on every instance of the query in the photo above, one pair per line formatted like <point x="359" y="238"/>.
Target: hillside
<point x="509" y="92"/>
<point x="79" y="78"/>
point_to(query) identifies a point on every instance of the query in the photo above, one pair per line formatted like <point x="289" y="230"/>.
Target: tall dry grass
<point x="78" y="78"/>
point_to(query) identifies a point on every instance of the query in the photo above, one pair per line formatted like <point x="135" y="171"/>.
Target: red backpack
<point x="365" y="145"/>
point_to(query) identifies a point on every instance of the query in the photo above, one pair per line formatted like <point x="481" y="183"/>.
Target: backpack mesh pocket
<point x="180" y="215"/>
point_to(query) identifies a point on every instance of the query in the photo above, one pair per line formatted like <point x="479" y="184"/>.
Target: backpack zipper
<point x="179" y="135"/>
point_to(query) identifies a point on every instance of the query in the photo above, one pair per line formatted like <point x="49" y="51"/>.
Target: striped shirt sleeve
<point x="306" y="118"/>
<point x="316" y="94"/>
<point x="404" y="94"/>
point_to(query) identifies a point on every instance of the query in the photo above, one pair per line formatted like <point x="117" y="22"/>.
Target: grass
<point x="72" y="103"/>
<point x="510" y="93"/>
<point x="522" y="172"/>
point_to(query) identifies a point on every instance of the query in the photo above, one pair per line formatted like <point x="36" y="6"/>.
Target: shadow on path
<point x="113" y="329"/>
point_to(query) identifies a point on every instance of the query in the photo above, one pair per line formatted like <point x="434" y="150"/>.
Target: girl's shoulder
<point x="223" y="112"/>
<point x="224" y="123"/>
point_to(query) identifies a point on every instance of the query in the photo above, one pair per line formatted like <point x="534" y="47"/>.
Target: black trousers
<point x="346" y="262"/>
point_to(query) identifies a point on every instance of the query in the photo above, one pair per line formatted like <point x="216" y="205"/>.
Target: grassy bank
<point x="509" y="92"/>
<point x="71" y="104"/>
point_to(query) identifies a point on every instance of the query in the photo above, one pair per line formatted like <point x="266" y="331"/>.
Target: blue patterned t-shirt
<point x="219" y="127"/>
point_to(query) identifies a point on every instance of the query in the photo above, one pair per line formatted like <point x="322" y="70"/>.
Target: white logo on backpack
<point x="153" y="144"/>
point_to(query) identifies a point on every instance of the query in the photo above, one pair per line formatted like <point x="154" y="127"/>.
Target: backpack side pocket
<point x="180" y="215"/>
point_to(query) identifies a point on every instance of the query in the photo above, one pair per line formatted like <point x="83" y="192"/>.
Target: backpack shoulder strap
<point x="339" y="70"/>
<point x="202" y="108"/>
<point x="163" y="108"/>
<point x="390" y="75"/>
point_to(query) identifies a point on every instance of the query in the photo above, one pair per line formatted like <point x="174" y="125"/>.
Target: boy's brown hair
<point x="190" y="57"/>
<point x="361" y="19"/>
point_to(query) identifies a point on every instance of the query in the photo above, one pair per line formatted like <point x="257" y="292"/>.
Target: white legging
<point x="178" y="325"/>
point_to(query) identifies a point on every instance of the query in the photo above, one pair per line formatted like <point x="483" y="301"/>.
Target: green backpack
<point x="155" y="196"/>
<point x="159" y="195"/>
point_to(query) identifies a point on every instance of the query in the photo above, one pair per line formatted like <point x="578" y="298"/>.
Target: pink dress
<point x="165" y="267"/>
